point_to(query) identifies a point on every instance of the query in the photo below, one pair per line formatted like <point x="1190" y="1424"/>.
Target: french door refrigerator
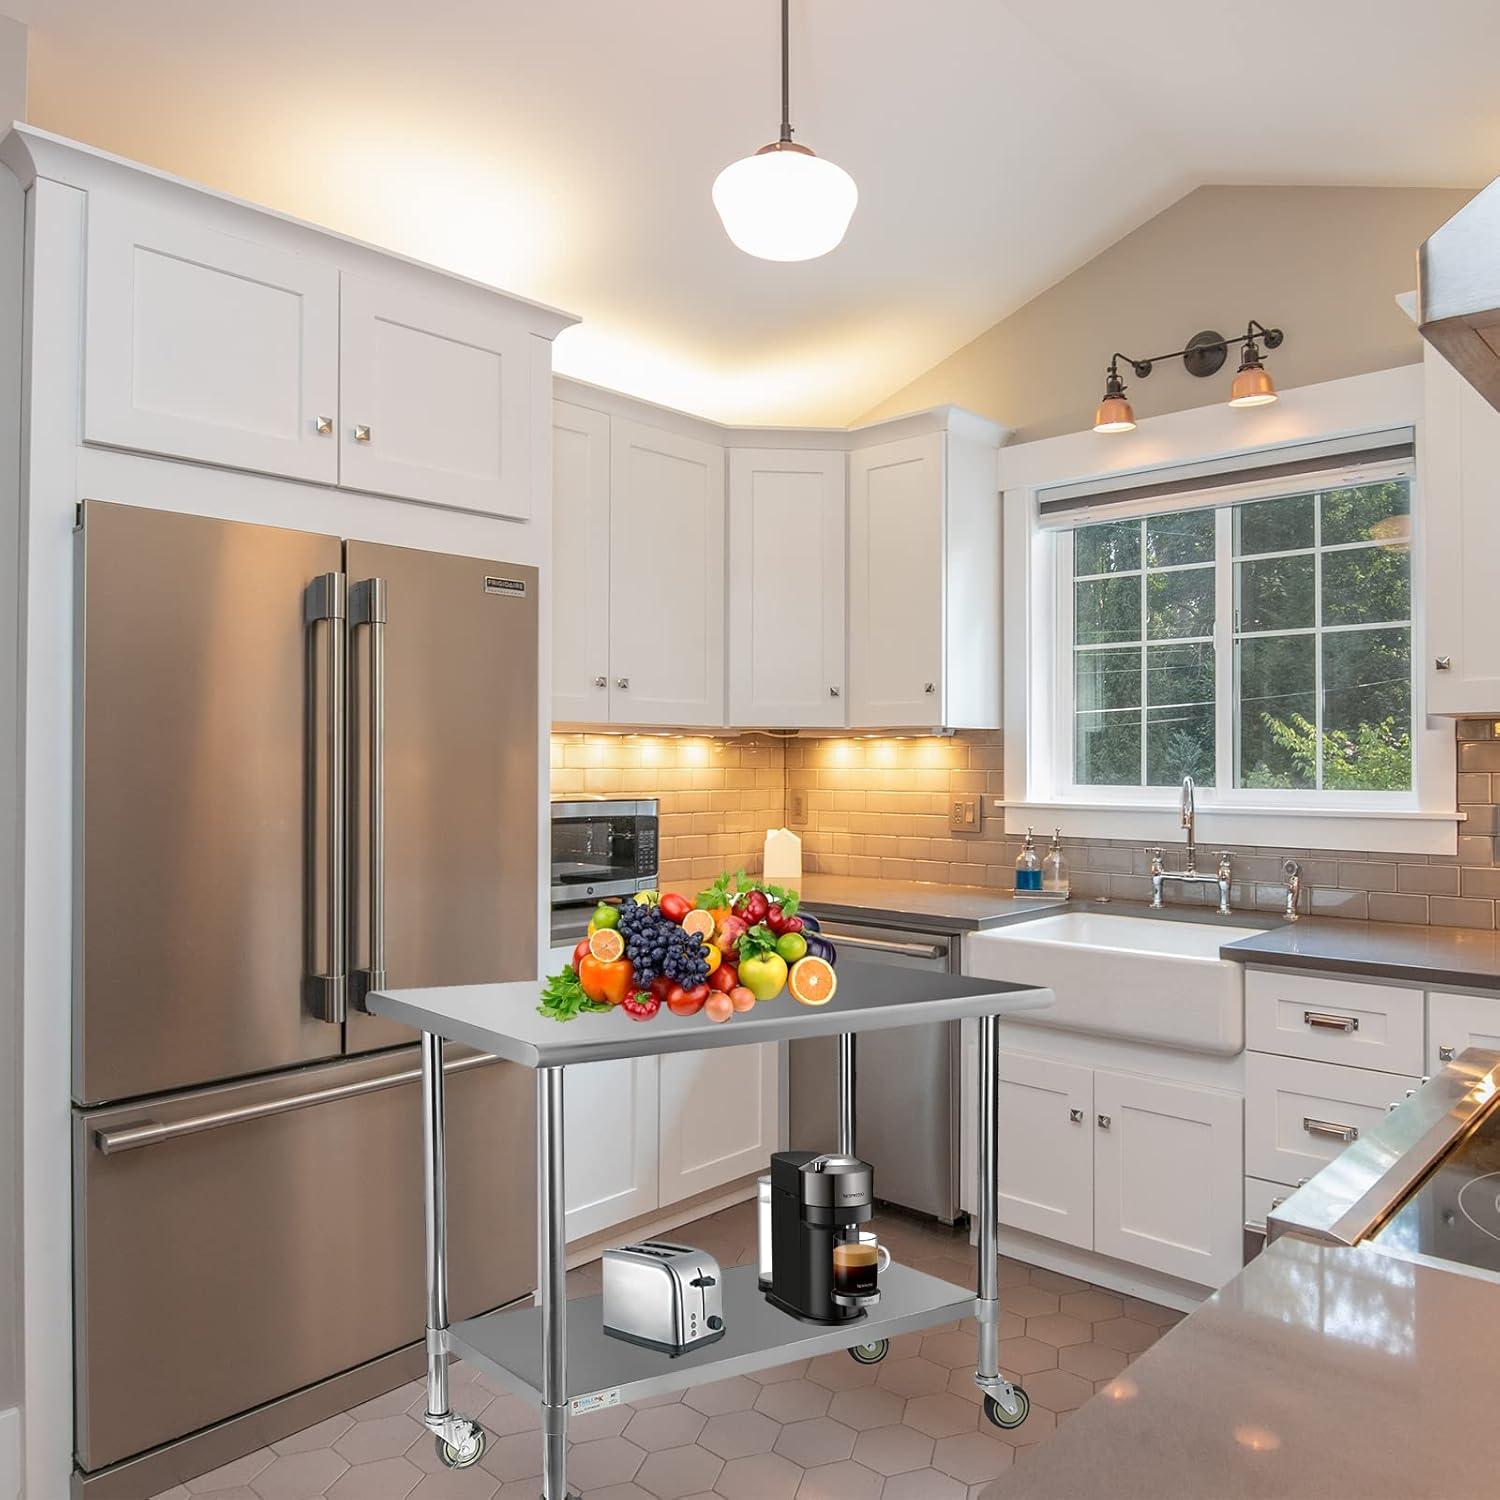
<point x="305" y="767"/>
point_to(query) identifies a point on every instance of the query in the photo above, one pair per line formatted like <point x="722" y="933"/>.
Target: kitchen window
<point x="1263" y="647"/>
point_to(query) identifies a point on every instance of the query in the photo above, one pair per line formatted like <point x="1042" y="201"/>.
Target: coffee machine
<point x="818" y="1201"/>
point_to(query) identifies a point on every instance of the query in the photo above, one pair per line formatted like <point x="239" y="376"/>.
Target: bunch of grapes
<point x="655" y="945"/>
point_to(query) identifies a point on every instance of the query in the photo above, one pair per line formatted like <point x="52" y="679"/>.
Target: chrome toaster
<point x="662" y="1295"/>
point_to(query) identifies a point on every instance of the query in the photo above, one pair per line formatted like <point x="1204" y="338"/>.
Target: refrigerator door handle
<point x="327" y="979"/>
<point x="367" y="608"/>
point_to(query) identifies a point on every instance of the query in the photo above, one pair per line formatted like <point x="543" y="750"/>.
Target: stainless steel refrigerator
<point x="305" y="766"/>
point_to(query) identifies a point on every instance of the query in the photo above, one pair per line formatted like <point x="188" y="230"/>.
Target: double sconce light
<point x="1204" y="355"/>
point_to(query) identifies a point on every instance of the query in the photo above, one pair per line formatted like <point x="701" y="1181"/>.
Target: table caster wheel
<point x="1006" y="1420"/>
<point x="463" y="1457"/>
<point x="870" y="1354"/>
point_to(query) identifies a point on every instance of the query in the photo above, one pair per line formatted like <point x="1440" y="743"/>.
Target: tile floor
<point x="909" y="1428"/>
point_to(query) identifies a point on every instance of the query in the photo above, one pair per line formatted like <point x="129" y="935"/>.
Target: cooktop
<point x="1454" y="1214"/>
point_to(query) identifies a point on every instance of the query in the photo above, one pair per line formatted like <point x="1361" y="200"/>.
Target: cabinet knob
<point x="601" y="681"/>
<point x="1445" y="1054"/>
<point x="622" y="682"/>
<point x="361" y="433"/>
<point x="833" y="692"/>
<point x="324" y="426"/>
<point x="1076" y="1116"/>
<point x="930" y="688"/>
<point x="1444" y="664"/>
<point x="1104" y="1122"/>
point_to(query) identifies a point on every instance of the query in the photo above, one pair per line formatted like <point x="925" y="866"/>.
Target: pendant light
<point x="785" y="203"/>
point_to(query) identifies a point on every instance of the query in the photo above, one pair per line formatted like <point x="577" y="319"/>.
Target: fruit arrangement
<point x="740" y="943"/>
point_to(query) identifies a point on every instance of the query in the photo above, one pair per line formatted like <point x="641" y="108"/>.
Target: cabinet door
<point x="609" y="1143"/>
<point x="1169" y="1176"/>
<point x="666" y="598"/>
<point x="1460" y="541"/>
<point x="786" y="588"/>
<point x="580" y="564"/>
<point x="1046" y="1147"/>
<point x="203" y="346"/>
<point x="896" y="549"/>
<point x="435" y="398"/>
<point x="719" y="1112"/>
<point x="1458" y="1021"/>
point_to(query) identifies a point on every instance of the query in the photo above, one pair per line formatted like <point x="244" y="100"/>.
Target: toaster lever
<point x="703" y="1281"/>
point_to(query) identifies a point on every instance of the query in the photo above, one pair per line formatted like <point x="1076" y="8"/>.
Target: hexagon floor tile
<point x="910" y="1428"/>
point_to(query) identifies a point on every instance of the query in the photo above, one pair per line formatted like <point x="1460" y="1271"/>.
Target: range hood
<point x="1458" y="292"/>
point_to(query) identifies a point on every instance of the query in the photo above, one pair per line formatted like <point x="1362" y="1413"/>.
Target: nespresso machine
<point x="818" y="1267"/>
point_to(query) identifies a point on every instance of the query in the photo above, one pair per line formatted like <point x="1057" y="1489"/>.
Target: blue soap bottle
<point x="1028" y="867"/>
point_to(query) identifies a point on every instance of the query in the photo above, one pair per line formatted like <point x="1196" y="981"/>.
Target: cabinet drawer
<point x="1299" y="1115"/>
<point x="1261" y="1197"/>
<point x="1334" y="1020"/>
<point x="1456" y="1022"/>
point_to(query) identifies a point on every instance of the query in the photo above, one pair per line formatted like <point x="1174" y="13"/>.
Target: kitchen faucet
<point x="1190" y="876"/>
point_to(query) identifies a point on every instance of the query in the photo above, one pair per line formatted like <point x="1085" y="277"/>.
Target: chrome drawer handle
<point x="1322" y="1021"/>
<point x="1330" y="1128"/>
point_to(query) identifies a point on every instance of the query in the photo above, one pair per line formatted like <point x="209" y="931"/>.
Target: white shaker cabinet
<point x="1460" y="541"/>
<point x="719" y="1117"/>
<point x="1047" y="1148"/>
<point x="208" y="346"/>
<point x="610" y="1143"/>
<point x="435" y="396"/>
<point x="580" y="564"/>
<point x="786" y="587"/>
<point x="666" y="596"/>
<point x="1455" y="1022"/>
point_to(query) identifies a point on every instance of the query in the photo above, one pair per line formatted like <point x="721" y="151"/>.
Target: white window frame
<point x="1038" y="636"/>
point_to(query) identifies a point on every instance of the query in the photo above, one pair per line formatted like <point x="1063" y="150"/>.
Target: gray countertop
<point x="1318" y="1373"/>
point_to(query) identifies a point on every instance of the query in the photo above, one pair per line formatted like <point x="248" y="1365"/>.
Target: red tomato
<point x="674" y="907"/>
<point x="724" y="978"/>
<point x="686" y="1002"/>
<point x="699" y="992"/>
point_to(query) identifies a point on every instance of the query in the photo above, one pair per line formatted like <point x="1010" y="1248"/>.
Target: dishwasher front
<point x="907" y="1082"/>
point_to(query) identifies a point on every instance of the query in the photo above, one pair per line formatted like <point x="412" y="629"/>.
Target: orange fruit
<point x="607" y="945"/>
<point x="714" y="956"/>
<point x="700" y="921"/>
<point x="812" y="981"/>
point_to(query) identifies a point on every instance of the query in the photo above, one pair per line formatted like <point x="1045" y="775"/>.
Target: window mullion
<point x="1143" y="715"/>
<point x="1318" y="639"/>
<point x="1225" y="689"/>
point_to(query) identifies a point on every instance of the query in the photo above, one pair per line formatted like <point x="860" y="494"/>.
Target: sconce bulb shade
<point x="1114" y="415"/>
<point x="784" y="203"/>
<point x="1252" y="386"/>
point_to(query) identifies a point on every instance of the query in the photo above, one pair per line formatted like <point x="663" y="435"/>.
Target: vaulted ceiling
<point x="564" y="149"/>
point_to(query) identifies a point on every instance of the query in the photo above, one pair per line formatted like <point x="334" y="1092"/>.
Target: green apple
<point x="791" y="946"/>
<point x="764" y="975"/>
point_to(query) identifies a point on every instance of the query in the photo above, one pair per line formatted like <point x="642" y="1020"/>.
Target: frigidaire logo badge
<point x="513" y="586"/>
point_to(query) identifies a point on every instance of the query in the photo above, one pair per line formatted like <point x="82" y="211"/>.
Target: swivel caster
<point x="1004" y="1419"/>
<point x="870" y="1354"/>
<point x="463" y="1457"/>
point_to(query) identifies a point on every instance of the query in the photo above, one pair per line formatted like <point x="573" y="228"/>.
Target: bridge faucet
<point x="1223" y="877"/>
<point x="1190" y="822"/>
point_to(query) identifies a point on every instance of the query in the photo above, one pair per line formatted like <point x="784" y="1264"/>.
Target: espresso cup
<point x="857" y="1264"/>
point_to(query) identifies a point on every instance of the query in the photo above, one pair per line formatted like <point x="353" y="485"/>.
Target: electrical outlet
<point x="796" y="806"/>
<point x="964" y="814"/>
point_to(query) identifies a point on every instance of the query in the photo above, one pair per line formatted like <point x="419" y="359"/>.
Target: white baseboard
<point x="10" y="1454"/>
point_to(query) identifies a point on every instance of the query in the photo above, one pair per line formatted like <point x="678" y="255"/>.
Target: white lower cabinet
<point x="1458" y="1021"/>
<point x="610" y="1143"/>
<point x="718" y="1117"/>
<point x="1047" y="1148"/>
<point x="1167" y="1176"/>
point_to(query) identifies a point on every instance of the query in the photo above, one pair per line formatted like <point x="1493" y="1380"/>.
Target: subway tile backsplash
<point x="879" y="807"/>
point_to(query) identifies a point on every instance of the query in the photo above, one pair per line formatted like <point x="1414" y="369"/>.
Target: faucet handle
<point x="1226" y="860"/>
<point x="1156" y="854"/>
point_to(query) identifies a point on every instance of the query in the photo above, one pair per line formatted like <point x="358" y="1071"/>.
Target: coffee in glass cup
<point x="857" y="1264"/>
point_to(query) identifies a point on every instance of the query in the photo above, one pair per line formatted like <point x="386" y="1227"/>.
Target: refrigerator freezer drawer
<point x="237" y="1243"/>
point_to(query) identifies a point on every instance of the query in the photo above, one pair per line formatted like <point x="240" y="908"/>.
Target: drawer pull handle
<point x="1330" y="1128"/>
<point x="1323" y="1021"/>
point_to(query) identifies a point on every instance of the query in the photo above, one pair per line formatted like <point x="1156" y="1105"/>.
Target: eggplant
<point x="820" y="947"/>
<point x="809" y="922"/>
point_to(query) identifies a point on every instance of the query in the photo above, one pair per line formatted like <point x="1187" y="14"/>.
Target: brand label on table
<point x="596" y="1402"/>
<point x="516" y="587"/>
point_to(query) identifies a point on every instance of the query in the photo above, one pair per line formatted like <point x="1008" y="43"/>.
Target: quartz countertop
<point x="1380" y="950"/>
<point x="1318" y="1373"/>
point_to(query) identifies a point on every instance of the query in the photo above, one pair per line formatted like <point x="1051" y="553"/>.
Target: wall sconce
<point x="1203" y="355"/>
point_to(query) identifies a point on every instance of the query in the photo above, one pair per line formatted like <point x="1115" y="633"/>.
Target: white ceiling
<point x="564" y="149"/>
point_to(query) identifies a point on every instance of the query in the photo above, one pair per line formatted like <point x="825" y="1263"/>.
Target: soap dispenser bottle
<point x="1055" y="869"/>
<point x="1028" y="867"/>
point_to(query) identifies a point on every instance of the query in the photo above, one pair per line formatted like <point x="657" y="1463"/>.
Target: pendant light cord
<point x="786" y="86"/>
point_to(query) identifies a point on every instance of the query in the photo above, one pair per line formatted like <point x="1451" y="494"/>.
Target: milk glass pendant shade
<point x="785" y="203"/>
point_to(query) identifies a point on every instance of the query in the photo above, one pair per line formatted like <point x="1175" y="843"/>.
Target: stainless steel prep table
<point x="532" y="1350"/>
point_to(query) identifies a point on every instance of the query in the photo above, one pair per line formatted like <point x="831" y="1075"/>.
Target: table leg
<point x="552" y="1282"/>
<point x="1006" y="1405"/>
<point x="846" y="1093"/>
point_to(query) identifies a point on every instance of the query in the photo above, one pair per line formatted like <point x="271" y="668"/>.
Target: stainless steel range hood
<point x="1458" y="292"/>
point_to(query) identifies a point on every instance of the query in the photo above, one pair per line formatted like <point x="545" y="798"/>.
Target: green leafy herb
<point x="728" y="888"/>
<point x="788" y="898"/>
<point x="756" y="943"/>
<point x="563" y="998"/>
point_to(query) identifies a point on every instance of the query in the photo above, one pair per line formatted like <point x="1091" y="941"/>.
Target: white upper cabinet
<point x="436" y="393"/>
<point x="924" y="582"/>
<point x="1460" y="542"/>
<point x="666" y="597"/>
<point x="786" y="587"/>
<point x="580" y="564"/>
<point x="206" y="346"/>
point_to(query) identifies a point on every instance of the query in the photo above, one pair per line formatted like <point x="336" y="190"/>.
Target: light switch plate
<point x="965" y="814"/>
<point x="796" y="806"/>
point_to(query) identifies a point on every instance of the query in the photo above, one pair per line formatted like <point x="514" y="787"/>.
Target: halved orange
<point x="812" y="981"/>
<point x="607" y="945"/>
<point x="700" y="921"/>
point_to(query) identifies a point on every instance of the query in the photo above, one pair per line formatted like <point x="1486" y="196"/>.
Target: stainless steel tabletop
<point x="503" y="1018"/>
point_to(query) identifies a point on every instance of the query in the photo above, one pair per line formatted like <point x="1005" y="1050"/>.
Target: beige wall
<point x="1322" y="263"/>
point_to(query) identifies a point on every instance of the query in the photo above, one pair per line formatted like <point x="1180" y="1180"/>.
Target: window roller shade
<point x="1362" y="458"/>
